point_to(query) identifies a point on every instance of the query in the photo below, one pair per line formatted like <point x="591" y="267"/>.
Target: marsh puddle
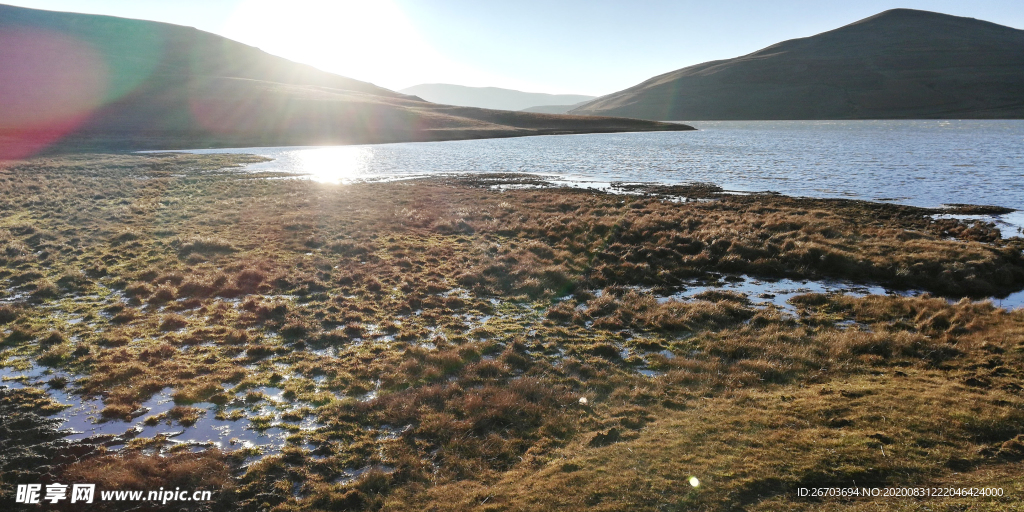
<point x="542" y="182"/>
<point x="1011" y="301"/>
<point x="13" y="295"/>
<point x="82" y="419"/>
<point x="610" y="187"/>
<point x="1009" y="224"/>
<point x="777" y="292"/>
<point x="349" y="475"/>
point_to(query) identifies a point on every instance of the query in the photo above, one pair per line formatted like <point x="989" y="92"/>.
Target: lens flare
<point x="51" y="83"/>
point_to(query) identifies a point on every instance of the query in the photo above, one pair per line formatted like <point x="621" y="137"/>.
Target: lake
<point x="916" y="162"/>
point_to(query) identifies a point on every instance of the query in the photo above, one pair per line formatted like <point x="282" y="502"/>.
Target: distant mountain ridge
<point x="75" y="82"/>
<point x="901" y="63"/>
<point x="556" y="109"/>
<point x="490" y="97"/>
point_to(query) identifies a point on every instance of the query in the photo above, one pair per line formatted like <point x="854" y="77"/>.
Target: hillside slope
<point x="77" y="82"/>
<point x="900" y="63"/>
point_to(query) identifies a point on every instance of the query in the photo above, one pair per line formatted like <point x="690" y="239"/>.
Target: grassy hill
<point x="76" y="81"/>
<point x="898" y="64"/>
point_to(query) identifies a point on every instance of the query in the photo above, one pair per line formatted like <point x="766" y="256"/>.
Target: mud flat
<point x="301" y="346"/>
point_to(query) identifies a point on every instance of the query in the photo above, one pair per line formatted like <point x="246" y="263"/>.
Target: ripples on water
<point x="920" y="162"/>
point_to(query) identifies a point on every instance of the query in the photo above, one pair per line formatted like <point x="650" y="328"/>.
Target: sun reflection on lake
<point x="336" y="164"/>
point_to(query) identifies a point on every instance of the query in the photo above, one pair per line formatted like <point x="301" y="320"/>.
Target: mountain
<point x="490" y="97"/>
<point x="71" y="82"/>
<point x="556" y="109"/>
<point x="901" y="63"/>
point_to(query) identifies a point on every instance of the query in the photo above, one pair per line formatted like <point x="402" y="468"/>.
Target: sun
<point x="366" y="40"/>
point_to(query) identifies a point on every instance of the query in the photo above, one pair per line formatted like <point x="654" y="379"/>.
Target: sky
<point x="591" y="47"/>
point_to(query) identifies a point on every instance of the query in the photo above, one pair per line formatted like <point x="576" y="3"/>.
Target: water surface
<point x="917" y="162"/>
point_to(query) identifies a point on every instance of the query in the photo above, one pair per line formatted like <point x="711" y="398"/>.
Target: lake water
<point x="917" y="162"/>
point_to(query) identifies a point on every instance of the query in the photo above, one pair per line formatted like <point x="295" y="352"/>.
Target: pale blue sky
<point x="586" y="47"/>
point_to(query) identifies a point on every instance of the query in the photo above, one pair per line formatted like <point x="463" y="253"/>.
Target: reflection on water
<point x="779" y="291"/>
<point x="332" y="164"/>
<point x="918" y="162"/>
<point x="83" y="421"/>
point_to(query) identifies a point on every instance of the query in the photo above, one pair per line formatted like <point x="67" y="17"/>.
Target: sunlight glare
<point x="336" y="164"/>
<point x="367" y="40"/>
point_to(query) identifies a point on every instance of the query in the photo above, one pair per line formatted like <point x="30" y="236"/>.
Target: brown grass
<point x="209" y="470"/>
<point x="195" y="278"/>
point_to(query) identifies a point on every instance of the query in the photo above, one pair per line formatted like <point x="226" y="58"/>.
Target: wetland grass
<point x="440" y="344"/>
